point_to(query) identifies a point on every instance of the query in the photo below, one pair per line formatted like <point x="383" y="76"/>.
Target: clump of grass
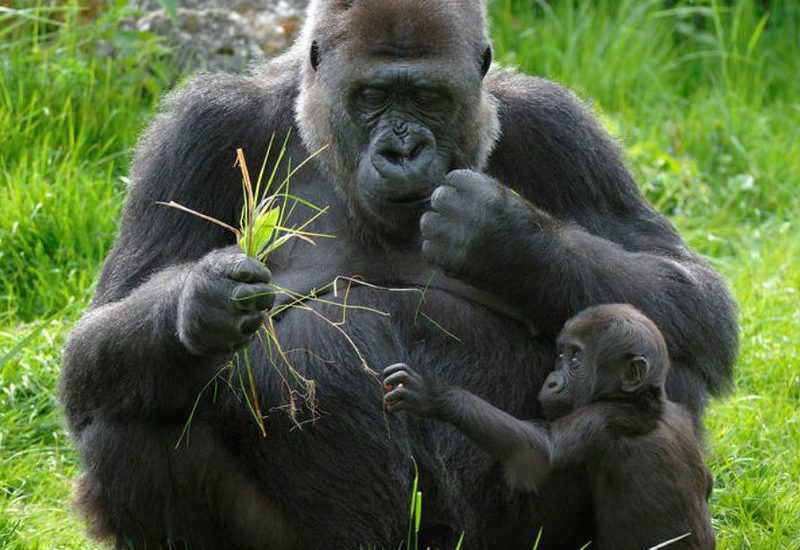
<point x="262" y="224"/>
<point x="263" y="229"/>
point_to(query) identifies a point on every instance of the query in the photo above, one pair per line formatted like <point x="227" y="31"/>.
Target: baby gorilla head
<point x="607" y="352"/>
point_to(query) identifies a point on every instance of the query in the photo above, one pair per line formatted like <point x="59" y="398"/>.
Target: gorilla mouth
<point x="420" y="196"/>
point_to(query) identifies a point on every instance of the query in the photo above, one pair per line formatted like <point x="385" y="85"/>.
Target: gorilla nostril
<point x="403" y="157"/>
<point x="393" y="156"/>
<point x="417" y="151"/>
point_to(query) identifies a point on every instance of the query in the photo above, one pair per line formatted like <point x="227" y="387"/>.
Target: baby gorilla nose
<point x="554" y="382"/>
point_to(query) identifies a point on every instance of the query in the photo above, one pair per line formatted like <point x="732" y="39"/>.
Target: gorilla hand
<point x="474" y="229"/>
<point x="223" y="302"/>
<point x="407" y="390"/>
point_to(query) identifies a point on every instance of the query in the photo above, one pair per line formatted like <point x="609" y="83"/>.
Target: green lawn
<point x="703" y="96"/>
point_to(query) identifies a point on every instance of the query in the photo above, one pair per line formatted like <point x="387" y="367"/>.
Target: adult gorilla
<point x="503" y="182"/>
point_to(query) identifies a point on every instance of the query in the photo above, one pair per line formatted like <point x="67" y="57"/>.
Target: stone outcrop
<point x="223" y="35"/>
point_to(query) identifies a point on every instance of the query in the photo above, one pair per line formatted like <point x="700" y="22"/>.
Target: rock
<point x="223" y="35"/>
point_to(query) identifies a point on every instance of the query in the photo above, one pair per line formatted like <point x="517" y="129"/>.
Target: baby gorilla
<point x="609" y="413"/>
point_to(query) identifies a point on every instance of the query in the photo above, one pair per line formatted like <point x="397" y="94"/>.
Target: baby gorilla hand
<point x="407" y="390"/>
<point x="223" y="302"/>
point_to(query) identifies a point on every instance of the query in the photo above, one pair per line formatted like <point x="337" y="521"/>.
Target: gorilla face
<point x="406" y="115"/>
<point x="399" y="99"/>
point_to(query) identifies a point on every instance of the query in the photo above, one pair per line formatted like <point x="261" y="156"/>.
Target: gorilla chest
<point x="347" y="338"/>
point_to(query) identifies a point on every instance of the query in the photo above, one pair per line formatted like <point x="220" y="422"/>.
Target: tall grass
<point x="72" y="99"/>
<point x="702" y="95"/>
<point x="74" y="93"/>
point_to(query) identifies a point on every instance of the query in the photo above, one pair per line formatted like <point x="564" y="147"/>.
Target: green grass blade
<point x="17" y="349"/>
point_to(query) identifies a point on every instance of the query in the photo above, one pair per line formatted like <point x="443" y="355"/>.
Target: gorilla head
<point x="605" y="352"/>
<point x="396" y="89"/>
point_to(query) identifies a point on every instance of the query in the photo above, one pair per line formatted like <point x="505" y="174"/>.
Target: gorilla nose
<point x="406" y="150"/>
<point x="554" y="382"/>
<point x="406" y="156"/>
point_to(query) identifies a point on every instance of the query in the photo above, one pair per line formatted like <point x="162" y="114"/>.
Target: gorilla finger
<point x="403" y="379"/>
<point x="394" y="368"/>
<point x="250" y="323"/>
<point x="432" y="225"/>
<point x="463" y="179"/>
<point x="435" y="227"/>
<point x="408" y="403"/>
<point x="448" y="258"/>
<point x="445" y="199"/>
<point x="397" y="396"/>
<point x="433" y="251"/>
<point x="249" y="297"/>
<point x="247" y="270"/>
<point x="399" y="377"/>
<point x="390" y="370"/>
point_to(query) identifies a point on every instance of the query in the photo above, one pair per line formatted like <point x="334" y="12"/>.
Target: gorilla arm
<point x="568" y="228"/>
<point x="523" y="447"/>
<point x="163" y="317"/>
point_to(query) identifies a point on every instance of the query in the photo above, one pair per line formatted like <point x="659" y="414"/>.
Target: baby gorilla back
<point x="651" y="488"/>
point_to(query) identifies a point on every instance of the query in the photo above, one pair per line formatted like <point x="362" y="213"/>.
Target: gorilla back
<point x="504" y="187"/>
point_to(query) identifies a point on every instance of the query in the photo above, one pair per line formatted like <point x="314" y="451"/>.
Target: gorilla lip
<point x="412" y="198"/>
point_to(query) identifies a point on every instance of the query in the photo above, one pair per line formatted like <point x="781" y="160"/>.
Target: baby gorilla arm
<point x="581" y="434"/>
<point x="523" y="447"/>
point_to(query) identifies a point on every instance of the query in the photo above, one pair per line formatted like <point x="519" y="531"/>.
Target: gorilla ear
<point x="635" y="373"/>
<point x="314" y="55"/>
<point x="487" y="61"/>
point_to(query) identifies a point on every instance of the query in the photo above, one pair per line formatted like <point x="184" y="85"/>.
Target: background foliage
<point x="703" y="95"/>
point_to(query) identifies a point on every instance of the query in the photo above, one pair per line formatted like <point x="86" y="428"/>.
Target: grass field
<point x="703" y="96"/>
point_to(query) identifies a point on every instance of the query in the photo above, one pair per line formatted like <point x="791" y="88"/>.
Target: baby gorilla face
<point x="603" y="351"/>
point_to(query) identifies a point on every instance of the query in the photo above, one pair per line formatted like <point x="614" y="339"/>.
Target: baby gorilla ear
<point x="635" y="374"/>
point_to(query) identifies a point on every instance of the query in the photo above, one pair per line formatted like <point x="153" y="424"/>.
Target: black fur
<point x="610" y="416"/>
<point x="576" y="232"/>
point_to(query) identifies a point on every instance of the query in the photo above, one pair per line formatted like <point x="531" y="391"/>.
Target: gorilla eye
<point x="487" y="61"/>
<point x="314" y="55"/>
<point x="372" y="98"/>
<point x="429" y="98"/>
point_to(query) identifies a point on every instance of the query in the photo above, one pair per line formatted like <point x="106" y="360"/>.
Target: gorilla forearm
<point x="494" y="430"/>
<point x="523" y="447"/>
<point x="124" y="357"/>
<point x="572" y="269"/>
<point x="551" y="268"/>
<point x="130" y="354"/>
<point x="592" y="237"/>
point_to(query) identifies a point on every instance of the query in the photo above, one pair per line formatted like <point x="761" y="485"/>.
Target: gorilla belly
<point x="336" y="448"/>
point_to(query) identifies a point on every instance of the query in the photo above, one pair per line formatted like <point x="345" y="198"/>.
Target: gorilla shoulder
<point x="187" y="154"/>
<point x="210" y="107"/>
<point x="550" y="140"/>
